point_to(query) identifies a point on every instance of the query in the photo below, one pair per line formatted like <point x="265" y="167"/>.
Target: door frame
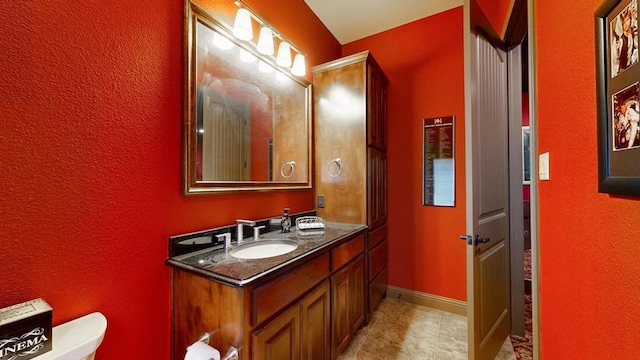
<point x="533" y="161"/>
<point x="516" y="213"/>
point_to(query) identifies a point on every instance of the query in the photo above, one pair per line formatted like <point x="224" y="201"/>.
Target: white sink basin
<point x="263" y="249"/>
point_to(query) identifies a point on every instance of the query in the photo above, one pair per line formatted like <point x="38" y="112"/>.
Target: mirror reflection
<point x="248" y="122"/>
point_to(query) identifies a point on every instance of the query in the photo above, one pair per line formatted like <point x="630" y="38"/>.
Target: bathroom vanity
<point x="305" y="304"/>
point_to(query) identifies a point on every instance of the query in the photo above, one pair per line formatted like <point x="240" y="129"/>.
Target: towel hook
<point x="338" y="165"/>
<point x="292" y="164"/>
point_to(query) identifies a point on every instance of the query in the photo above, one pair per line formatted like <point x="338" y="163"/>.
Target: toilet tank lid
<point x="77" y="338"/>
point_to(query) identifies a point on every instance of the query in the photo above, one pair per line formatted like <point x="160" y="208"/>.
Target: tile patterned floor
<point x="403" y="331"/>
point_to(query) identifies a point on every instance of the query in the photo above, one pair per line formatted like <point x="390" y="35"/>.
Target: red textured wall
<point x="90" y="187"/>
<point x="424" y="61"/>
<point x="589" y="246"/>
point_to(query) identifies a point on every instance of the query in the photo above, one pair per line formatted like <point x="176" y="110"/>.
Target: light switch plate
<point x="543" y="166"/>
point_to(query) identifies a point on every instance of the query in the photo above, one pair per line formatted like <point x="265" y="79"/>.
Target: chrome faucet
<point x="226" y="237"/>
<point x="241" y="224"/>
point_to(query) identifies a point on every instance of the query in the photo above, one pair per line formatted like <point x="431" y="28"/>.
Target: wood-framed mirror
<point x="246" y="120"/>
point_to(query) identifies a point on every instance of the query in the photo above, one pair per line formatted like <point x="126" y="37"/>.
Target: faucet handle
<point x="245" y="222"/>
<point x="256" y="231"/>
<point x="227" y="239"/>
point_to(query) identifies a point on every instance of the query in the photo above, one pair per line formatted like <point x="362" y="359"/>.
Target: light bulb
<point x="284" y="54"/>
<point x="265" y="41"/>
<point x="242" y="27"/>
<point x="299" y="67"/>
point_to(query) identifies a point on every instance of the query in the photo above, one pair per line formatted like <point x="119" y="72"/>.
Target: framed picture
<point x="617" y="95"/>
<point x="438" y="161"/>
<point x="526" y="165"/>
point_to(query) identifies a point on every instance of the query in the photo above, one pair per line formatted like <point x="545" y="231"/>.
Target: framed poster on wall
<point x="438" y="161"/>
<point x="617" y="95"/>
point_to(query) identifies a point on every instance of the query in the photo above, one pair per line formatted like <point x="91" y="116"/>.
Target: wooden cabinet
<point x="287" y="315"/>
<point x="350" y="126"/>
<point x="280" y="338"/>
<point x="340" y="300"/>
<point x="349" y="96"/>
<point x="316" y="324"/>
<point x="302" y="332"/>
<point x="347" y="293"/>
<point x="376" y="266"/>
<point x="377" y="194"/>
<point x="357" y="294"/>
<point x="272" y="296"/>
<point x="376" y="108"/>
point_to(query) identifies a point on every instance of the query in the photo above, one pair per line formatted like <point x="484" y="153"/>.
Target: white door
<point x="487" y="178"/>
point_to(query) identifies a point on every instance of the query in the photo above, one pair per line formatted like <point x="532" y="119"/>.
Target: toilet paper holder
<point x="232" y="352"/>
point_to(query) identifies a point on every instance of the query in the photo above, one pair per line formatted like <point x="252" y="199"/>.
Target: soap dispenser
<point x="285" y="222"/>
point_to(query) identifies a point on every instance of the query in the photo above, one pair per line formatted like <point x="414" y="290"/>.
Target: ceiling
<point x="351" y="20"/>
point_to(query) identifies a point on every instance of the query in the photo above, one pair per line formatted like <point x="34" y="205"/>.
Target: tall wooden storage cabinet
<point x="350" y="123"/>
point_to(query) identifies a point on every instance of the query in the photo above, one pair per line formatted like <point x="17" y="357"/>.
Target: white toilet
<point x="77" y="339"/>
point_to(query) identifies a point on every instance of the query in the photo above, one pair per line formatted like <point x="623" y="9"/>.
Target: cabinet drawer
<point x="347" y="251"/>
<point x="377" y="289"/>
<point x="277" y="294"/>
<point x="377" y="235"/>
<point x="377" y="259"/>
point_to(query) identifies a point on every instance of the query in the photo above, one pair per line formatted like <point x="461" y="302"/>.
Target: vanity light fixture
<point x="284" y="54"/>
<point x="242" y="26"/>
<point x="265" y="41"/>
<point x="243" y="30"/>
<point x="299" y="67"/>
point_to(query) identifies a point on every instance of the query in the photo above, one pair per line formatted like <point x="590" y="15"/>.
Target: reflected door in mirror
<point x="223" y="137"/>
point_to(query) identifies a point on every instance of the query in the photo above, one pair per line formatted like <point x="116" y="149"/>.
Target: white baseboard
<point x="424" y="299"/>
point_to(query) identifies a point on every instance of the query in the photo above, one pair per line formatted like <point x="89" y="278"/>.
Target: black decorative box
<point x="25" y="330"/>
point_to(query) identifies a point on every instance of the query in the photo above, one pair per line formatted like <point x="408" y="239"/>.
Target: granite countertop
<point x="218" y="265"/>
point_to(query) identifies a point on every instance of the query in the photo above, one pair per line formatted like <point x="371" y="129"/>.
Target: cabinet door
<point x="376" y="108"/>
<point x="340" y="133"/>
<point x="348" y="296"/>
<point x="316" y="324"/>
<point x="341" y="323"/>
<point x="357" y="294"/>
<point x="377" y="188"/>
<point x="279" y="339"/>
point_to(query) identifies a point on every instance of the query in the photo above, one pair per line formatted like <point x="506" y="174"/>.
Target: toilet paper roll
<point x="201" y="351"/>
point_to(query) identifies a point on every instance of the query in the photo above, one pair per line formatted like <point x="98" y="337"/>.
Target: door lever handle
<point x="467" y="238"/>
<point x="474" y="240"/>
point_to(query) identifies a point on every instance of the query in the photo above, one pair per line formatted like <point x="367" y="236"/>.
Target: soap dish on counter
<point x="310" y="225"/>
